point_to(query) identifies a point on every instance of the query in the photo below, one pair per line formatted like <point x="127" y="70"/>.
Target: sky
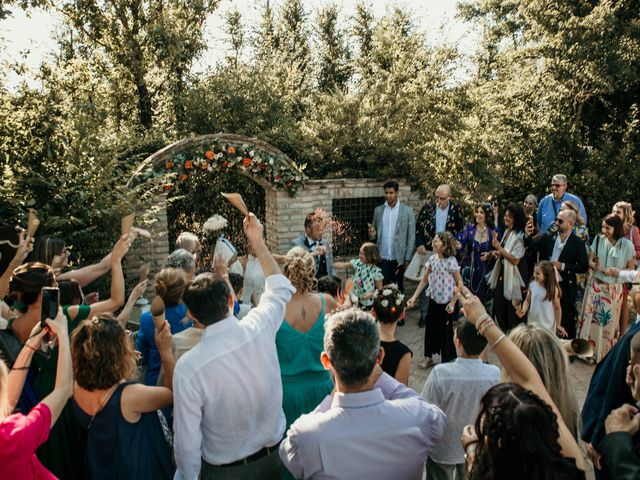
<point x="31" y="38"/>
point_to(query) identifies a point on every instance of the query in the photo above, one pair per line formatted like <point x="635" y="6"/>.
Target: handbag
<point x="416" y="268"/>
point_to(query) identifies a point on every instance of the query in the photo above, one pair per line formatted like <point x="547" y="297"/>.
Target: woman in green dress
<point x="63" y="453"/>
<point x="300" y="339"/>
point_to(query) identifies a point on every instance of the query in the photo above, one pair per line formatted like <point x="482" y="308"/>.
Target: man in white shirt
<point x="362" y="434"/>
<point x="228" y="417"/>
<point x="394" y="228"/>
<point x="457" y="387"/>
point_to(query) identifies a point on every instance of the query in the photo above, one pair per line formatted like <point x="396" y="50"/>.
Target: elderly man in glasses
<point x="550" y="205"/>
<point x="569" y="256"/>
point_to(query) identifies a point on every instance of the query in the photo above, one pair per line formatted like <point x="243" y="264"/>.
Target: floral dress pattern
<point x="364" y="280"/>
<point x="603" y="297"/>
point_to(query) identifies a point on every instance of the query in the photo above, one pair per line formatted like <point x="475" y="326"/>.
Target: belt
<point x="266" y="451"/>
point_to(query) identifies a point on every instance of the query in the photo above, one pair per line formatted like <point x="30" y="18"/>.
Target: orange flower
<point x="277" y="178"/>
<point x="188" y="164"/>
<point x="183" y="177"/>
<point x="167" y="187"/>
<point x="168" y="165"/>
<point x="231" y="150"/>
<point x="204" y="166"/>
<point x="209" y="154"/>
<point x="246" y="161"/>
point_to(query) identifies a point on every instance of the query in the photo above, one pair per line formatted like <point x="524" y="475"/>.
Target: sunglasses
<point x="559" y="221"/>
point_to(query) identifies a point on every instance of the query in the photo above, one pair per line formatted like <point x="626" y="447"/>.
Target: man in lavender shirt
<point x="361" y="434"/>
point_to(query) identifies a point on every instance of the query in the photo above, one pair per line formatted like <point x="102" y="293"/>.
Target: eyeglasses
<point x="442" y="198"/>
<point x="557" y="185"/>
<point x="559" y="221"/>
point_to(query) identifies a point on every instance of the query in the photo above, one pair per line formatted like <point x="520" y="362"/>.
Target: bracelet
<point x="495" y="344"/>
<point x="30" y="347"/>
<point x="483" y="319"/>
<point x="486" y="325"/>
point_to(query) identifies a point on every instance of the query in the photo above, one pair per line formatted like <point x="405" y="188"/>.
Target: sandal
<point x="425" y="363"/>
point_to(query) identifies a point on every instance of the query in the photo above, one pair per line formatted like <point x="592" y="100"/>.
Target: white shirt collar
<point x="220" y="326"/>
<point x="386" y="205"/>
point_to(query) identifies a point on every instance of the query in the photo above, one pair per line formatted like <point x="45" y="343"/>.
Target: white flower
<point x="398" y="301"/>
<point x="214" y="223"/>
<point x="219" y="155"/>
<point x="384" y="303"/>
<point x="386" y="292"/>
<point x="251" y="153"/>
<point x="271" y="161"/>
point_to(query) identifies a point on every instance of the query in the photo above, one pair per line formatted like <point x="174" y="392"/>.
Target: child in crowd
<point x="237" y="282"/>
<point x="389" y="307"/>
<point x="543" y="299"/>
<point x="442" y="275"/>
<point x="331" y="285"/>
<point x="457" y="387"/>
<point x="367" y="277"/>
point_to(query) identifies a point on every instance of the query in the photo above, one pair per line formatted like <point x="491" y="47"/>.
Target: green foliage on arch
<point x="226" y="157"/>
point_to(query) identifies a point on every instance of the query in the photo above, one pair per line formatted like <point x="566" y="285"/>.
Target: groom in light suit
<point x="394" y="230"/>
<point x="311" y="240"/>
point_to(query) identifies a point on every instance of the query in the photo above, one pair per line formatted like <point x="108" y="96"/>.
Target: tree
<point x="235" y="32"/>
<point x="149" y="45"/>
<point x="334" y="62"/>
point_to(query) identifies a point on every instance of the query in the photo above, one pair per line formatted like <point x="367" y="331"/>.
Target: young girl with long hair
<point x="367" y="276"/>
<point x="543" y="299"/>
<point x="442" y="275"/>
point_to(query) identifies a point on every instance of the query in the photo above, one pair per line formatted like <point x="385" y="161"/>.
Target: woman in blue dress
<point x="475" y="244"/>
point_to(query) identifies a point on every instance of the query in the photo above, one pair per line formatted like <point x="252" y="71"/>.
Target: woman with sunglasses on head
<point x="603" y="294"/>
<point x="60" y="453"/>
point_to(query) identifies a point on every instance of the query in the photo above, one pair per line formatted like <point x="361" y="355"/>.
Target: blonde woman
<point x="624" y="211"/>
<point x="549" y="358"/>
<point x="629" y="231"/>
<point x="300" y="339"/>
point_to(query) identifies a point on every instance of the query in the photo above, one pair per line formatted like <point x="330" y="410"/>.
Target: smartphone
<point x="50" y="304"/>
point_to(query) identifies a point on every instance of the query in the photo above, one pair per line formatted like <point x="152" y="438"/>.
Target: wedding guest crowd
<point x="300" y="379"/>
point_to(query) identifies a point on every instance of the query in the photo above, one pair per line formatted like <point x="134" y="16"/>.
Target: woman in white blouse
<point x="506" y="278"/>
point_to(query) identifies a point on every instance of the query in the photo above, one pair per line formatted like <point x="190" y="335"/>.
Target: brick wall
<point x="284" y="217"/>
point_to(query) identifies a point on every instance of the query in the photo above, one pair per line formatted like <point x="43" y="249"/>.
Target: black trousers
<point x="392" y="273"/>
<point x="568" y="306"/>
<point x="503" y="310"/>
<point x="438" y="334"/>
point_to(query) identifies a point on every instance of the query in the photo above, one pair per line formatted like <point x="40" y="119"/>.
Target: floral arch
<point x="259" y="160"/>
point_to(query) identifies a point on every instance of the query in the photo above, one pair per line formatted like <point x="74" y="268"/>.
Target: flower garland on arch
<point x="225" y="157"/>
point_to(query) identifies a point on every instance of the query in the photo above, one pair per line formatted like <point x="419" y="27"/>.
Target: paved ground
<point x="413" y="336"/>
